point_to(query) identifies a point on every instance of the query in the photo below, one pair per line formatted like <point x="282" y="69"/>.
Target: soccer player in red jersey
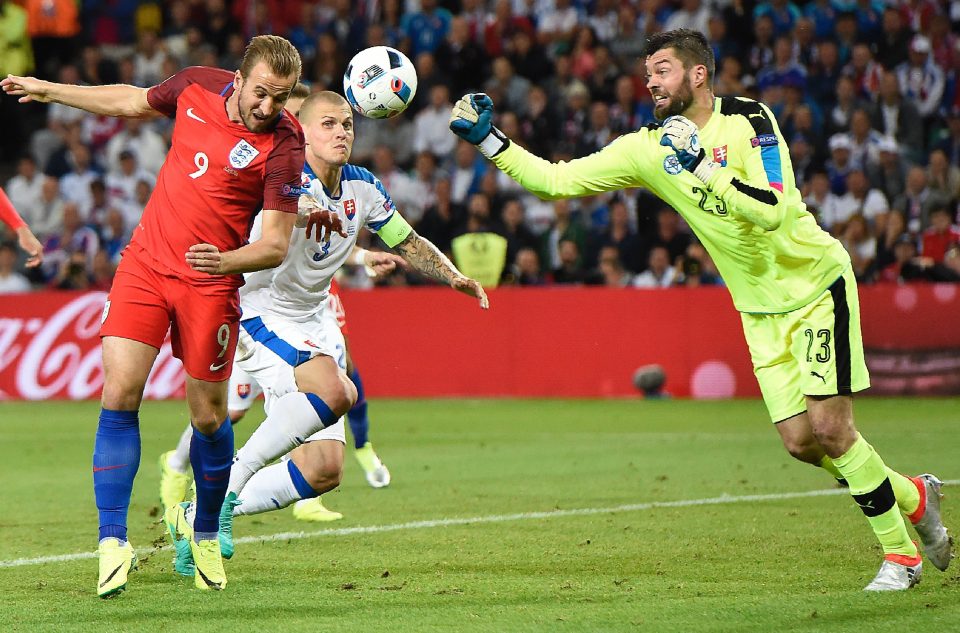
<point x="28" y="241"/>
<point x="233" y="153"/>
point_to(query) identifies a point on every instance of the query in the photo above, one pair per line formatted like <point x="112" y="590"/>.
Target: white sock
<point x="271" y="488"/>
<point x="180" y="459"/>
<point x="292" y="419"/>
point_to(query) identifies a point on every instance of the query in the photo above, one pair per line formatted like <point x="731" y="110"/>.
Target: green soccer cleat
<point x="377" y="474"/>
<point x="225" y="534"/>
<point x="313" y="510"/>
<point x="173" y="483"/>
<point x="116" y="561"/>
<point x="181" y="533"/>
<point x="209" y="563"/>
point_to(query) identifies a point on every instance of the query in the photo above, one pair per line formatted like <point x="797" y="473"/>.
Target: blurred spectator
<point x="73" y="273"/>
<point x="918" y="200"/>
<point x="539" y="125"/>
<point x="950" y="144"/>
<point x="860" y="244"/>
<point x="75" y="184"/>
<point x="940" y="235"/>
<point x="134" y="210"/>
<point x="659" y="272"/>
<point x="468" y="167"/>
<point x="894" y="227"/>
<point x="729" y="79"/>
<point x="945" y="46"/>
<point x="115" y="235"/>
<point x="917" y="14"/>
<point x="620" y="236"/>
<point x="49" y="217"/>
<point x="96" y="213"/>
<point x="864" y="72"/>
<point x="864" y="141"/>
<point x="461" y="59"/>
<point x="629" y="42"/>
<point x="440" y="220"/>
<point x="24" y="191"/>
<point x="566" y="226"/>
<point x="53" y="26"/>
<point x="760" y="54"/>
<point x="10" y="280"/>
<point x="398" y="184"/>
<point x="942" y="177"/>
<point x="122" y="183"/>
<point x="846" y="34"/>
<point x="570" y="270"/>
<point x="869" y="18"/>
<point x="396" y="134"/>
<point x="821" y="200"/>
<point x="582" y="55"/>
<point x="427" y="28"/>
<point x="507" y="88"/>
<point x="669" y="235"/>
<point x="846" y="104"/>
<point x="513" y="228"/>
<point x="920" y="79"/>
<point x="602" y="80"/>
<point x="898" y="118"/>
<point x="528" y="57"/>
<point x="526" y="268"/>
<point x="610" y="271"/>
<point x="904" y="266"/>
<point x="839" y="165"/>
<point x="889" y="174"/>
<point x="16" y="58"/>
<point x="894" y="39"/>
<point x="784" y="69"/>
<point x="101" y="273"/>
<point x="139" y="138"/>
<point x="823" y="13"/>
<point x="556" y="26"/>
<point x="430" y="125"/>
<point x="692" y="14"/>
<point x="500" y="28"/>
<point x="823" y="79"/>
<point x="782" y="13"/>
<point x="148" y="60"/>
<point x="73" y="237"/>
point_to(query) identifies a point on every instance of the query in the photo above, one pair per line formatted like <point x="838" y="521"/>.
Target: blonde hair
<point x="278" y="53"/>
<point x="324" y="96"/>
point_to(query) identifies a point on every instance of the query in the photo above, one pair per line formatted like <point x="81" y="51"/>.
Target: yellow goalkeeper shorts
<point x="816" y="350"/>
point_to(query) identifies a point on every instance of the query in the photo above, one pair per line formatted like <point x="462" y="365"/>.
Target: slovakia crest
<point x="243" y="390"/>
<point x="242" y="154"/>
<point x="720" y="155"/>
<point x="350" y="208"/>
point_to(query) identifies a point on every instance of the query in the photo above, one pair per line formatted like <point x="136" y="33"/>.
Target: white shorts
<point x="268" y="351"/>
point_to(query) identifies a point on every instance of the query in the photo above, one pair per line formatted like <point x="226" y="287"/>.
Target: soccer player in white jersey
<point x="175" y="476"/>
<point x="287" y="344"/>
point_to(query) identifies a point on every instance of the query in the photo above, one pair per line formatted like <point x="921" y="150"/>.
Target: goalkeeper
<point x="723" y="165"/>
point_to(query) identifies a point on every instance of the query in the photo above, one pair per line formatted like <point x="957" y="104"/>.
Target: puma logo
<point x="758" y="115"/>
<point x="813" y="373"/>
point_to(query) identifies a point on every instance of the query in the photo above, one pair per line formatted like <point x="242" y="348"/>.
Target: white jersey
<point x="297" y="288"/>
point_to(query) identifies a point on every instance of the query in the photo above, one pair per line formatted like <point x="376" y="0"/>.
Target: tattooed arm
<point x="427" y="258"/>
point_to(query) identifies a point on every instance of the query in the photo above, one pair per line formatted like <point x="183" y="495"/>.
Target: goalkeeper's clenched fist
<point x="472" y="120"/>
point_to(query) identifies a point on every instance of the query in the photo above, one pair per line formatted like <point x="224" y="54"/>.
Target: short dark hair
<point x="691" y="47"/>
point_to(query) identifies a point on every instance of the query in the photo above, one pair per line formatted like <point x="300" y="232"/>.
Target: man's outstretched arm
<point x="425" y="257"/>
<point x="115" y="100"/>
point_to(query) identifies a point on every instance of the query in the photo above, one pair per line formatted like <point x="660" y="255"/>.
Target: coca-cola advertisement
<point x="50" y="348"/>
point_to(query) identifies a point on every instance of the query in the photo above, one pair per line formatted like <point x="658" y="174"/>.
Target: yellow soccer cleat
<point x="313" y="510"/>
<point x="173" y="484"/>
<point x="209" y="562"/>
<point x="116" y="561"/>
<point x="377" y="474"/>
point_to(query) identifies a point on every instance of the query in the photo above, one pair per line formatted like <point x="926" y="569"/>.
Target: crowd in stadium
<point x="865" y="94"/>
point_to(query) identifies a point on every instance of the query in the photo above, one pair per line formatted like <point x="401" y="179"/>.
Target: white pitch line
<point x="496" y="518"/>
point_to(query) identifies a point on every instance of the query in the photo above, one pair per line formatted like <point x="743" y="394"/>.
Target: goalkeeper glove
<point x="472" y="120"/>
<point x="682" y="136"/>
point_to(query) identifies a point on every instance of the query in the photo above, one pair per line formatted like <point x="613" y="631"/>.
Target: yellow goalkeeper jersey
<point x="750" y="217"/>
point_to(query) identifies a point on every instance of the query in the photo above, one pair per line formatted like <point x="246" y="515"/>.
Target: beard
<point x="679" y="101"/>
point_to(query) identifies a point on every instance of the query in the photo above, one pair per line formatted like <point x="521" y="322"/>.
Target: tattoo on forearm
<point x="427" y="258"/>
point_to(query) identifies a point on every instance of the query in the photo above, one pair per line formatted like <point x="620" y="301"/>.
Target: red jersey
<point x="216" y="176"/>
<point x="335" y="305"/>
<point x="935" y="245"/>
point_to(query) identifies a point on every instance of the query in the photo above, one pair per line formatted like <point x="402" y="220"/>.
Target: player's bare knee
<point x="121" y="397"/>
<point x="207" y="423"/>
<point x="321" y="464"/>
<point x="804" y="451"/>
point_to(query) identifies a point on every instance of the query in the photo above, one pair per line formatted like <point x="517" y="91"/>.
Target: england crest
<point x="242" y="154"/>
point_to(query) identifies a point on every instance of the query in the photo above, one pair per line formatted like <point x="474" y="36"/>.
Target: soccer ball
<point x="380" y="82"/>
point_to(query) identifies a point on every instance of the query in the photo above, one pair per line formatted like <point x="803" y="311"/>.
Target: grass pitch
<point x="502" y="516"/>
